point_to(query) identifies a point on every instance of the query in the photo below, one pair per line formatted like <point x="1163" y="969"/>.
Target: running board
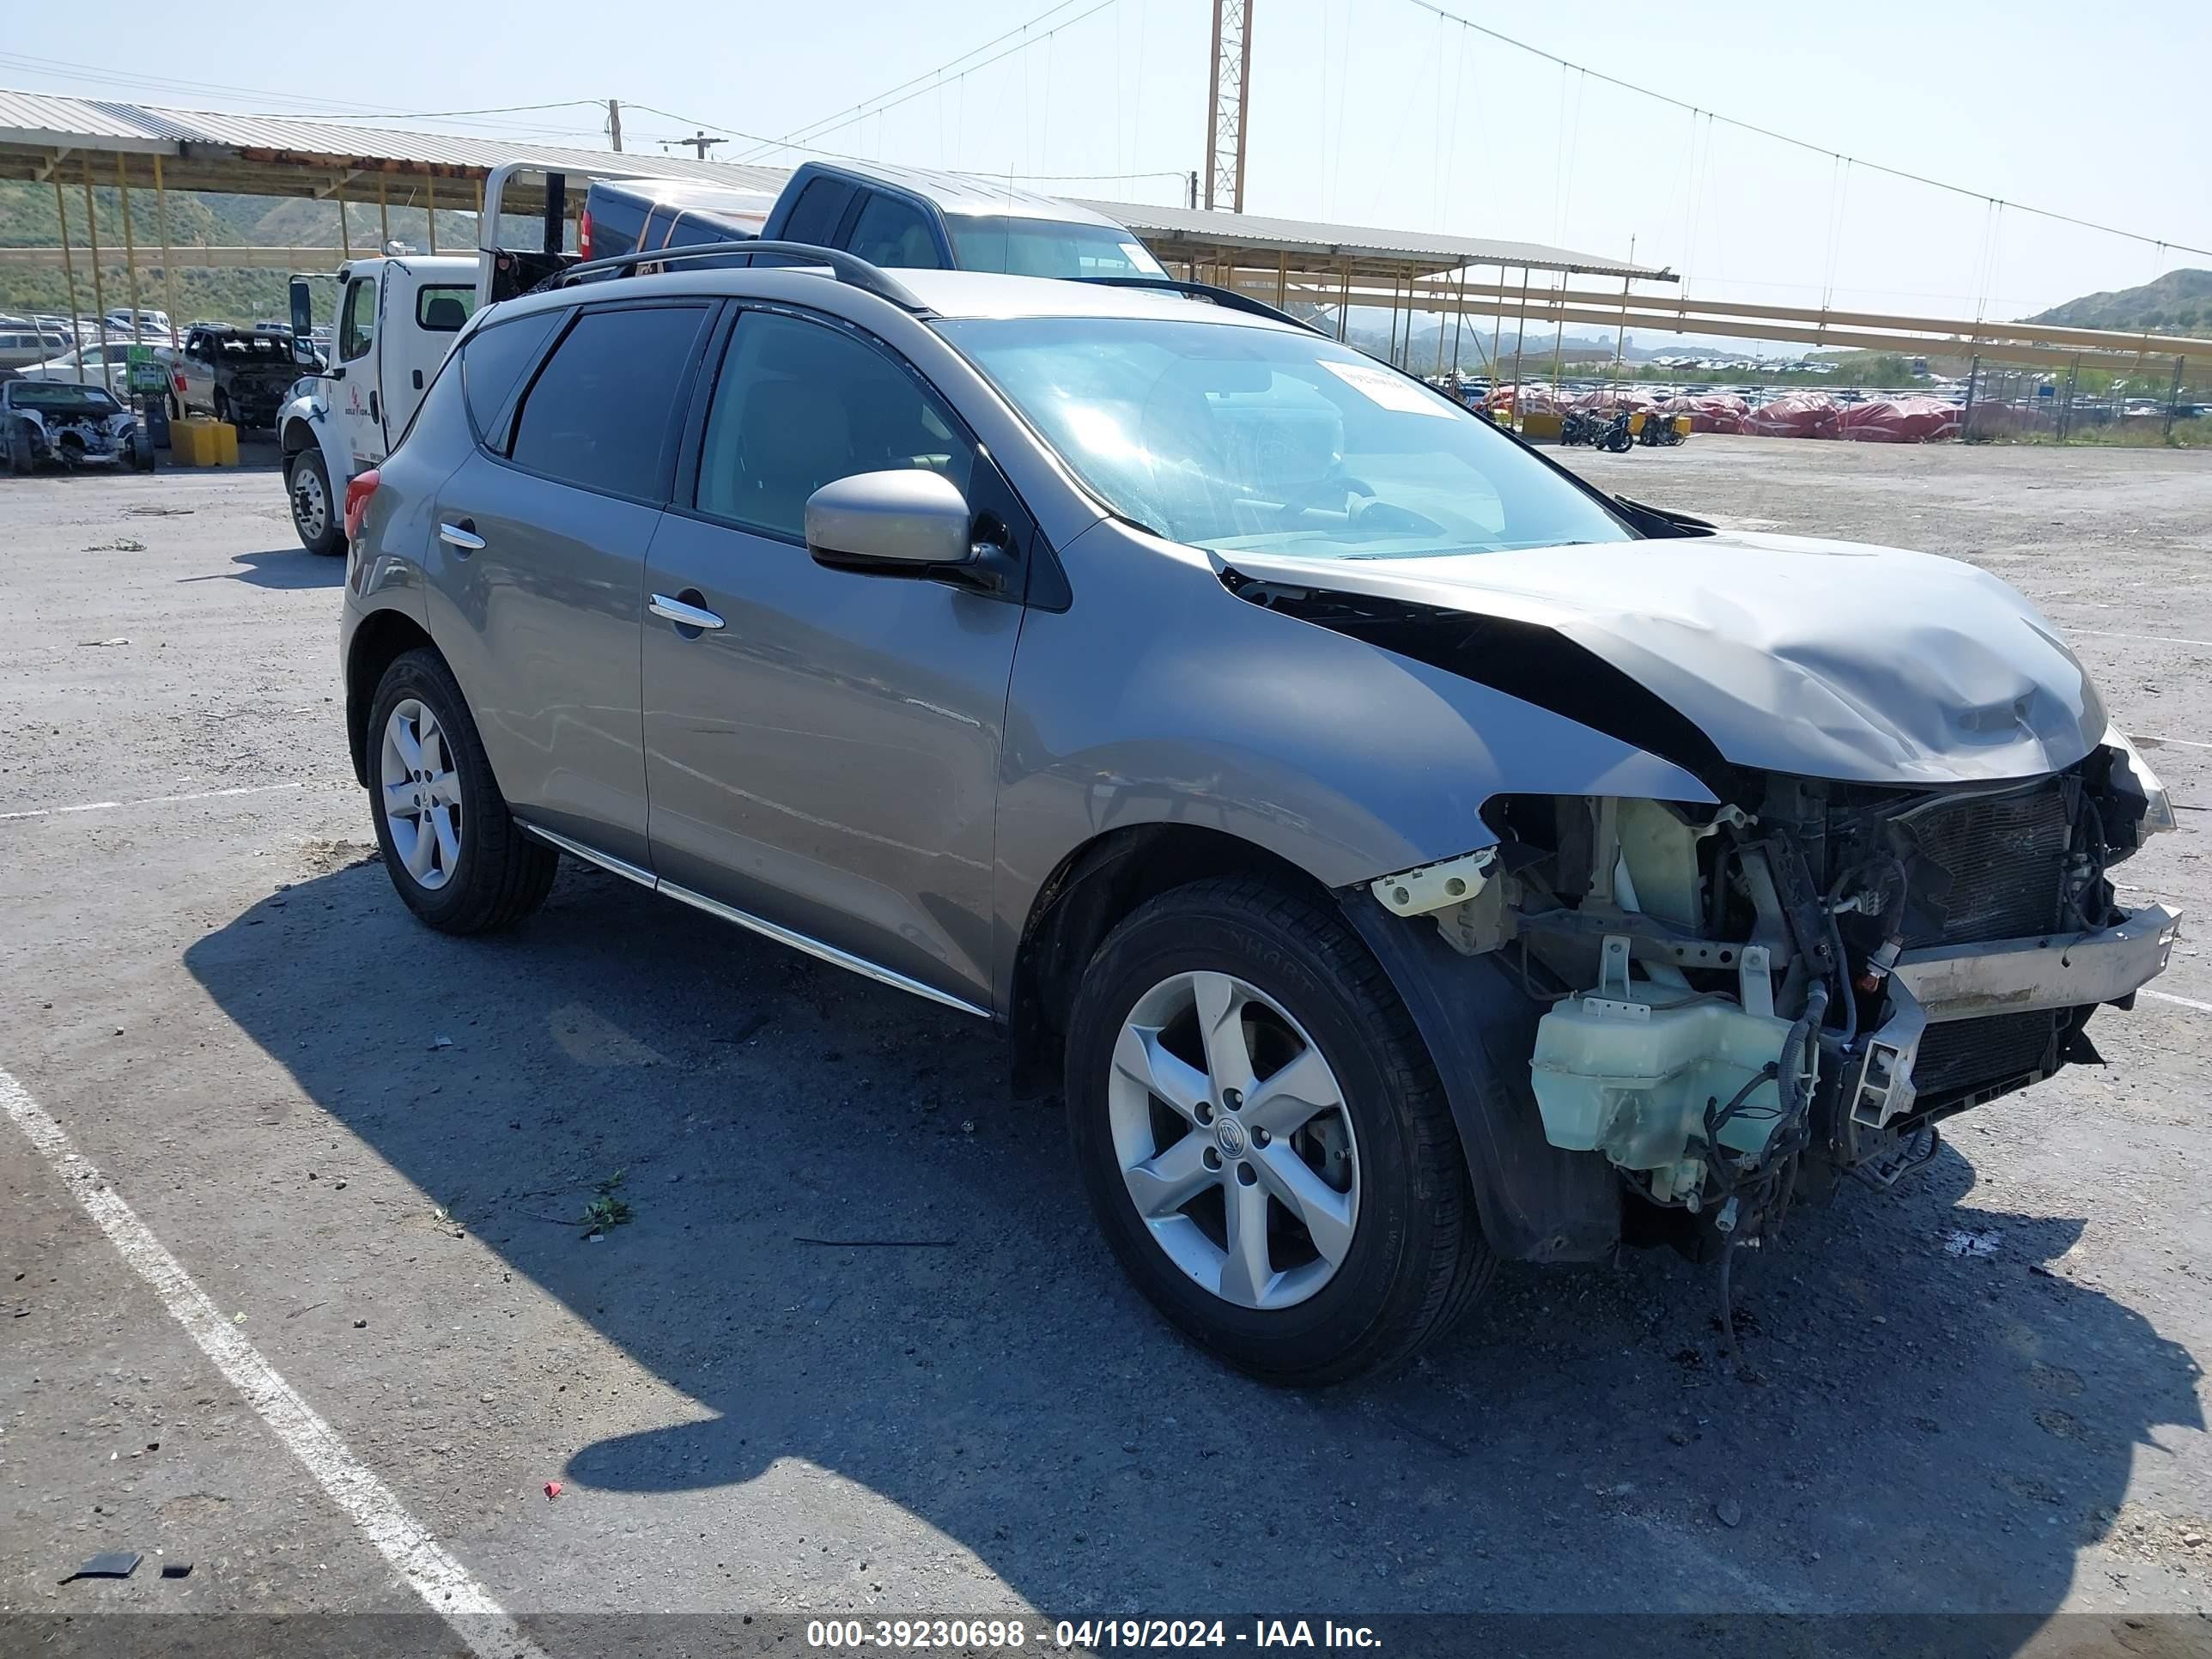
<point x="812" y="947"/>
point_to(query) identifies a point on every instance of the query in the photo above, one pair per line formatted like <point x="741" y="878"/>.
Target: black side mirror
<point x="303" y="310"/>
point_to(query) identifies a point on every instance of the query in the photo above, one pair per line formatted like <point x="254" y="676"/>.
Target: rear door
<point x="537" y="573"/>
<point x="823" y="755"/>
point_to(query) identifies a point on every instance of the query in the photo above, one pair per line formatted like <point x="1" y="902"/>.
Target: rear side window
<point x="493" y="364"/>
<point x="814" y="214"/>
<point x="891" y="232"/>
<point x="597" y="415"/>
<point x="444" y="308"/>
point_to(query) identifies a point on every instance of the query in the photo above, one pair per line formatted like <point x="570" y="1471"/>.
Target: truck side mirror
<point x="303" y="312"/>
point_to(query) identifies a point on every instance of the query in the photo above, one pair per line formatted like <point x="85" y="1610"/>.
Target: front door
<point x="825" y="759"/>
<point x="356" y="409"/>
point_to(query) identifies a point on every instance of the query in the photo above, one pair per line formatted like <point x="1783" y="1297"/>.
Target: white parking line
<point x="2155" y="639"/>
<point x="2186" y="1002"/>
<point x="452" y="1591"/>
<point x="2182" y="742"/>
<point x="150" y="800"/>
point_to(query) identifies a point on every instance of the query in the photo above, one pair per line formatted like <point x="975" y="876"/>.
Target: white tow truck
<point x="398" y="314"/>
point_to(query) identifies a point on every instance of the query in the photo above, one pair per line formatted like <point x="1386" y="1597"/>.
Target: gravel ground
<point x="1979" y="1393"/>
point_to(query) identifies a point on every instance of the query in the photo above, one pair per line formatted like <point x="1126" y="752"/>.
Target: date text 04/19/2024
<point x="997" y="1635"/>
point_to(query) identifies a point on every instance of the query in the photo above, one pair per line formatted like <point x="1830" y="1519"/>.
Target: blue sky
<point x="1363" y="111"/>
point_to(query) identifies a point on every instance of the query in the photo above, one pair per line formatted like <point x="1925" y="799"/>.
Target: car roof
<point x="953" y="295"/>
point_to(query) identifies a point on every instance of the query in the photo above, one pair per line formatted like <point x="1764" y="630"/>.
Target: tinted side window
<point x="814" y="214"/>
<point x="616" y="220"/>
<point x="798" y="404"/>
<point x="443" y="308"/>
<point x="492" y="363"/>
<point x="600" y="410"/>
<point x="891" y="232"/>
<point x="357" y="325"/>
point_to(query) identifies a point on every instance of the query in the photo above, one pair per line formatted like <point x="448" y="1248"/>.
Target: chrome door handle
<point x="683" y="615"/>
<point x="454" y="535"/>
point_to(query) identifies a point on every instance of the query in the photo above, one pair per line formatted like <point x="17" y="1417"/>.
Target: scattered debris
<point x="156" y="511"/>
<point x="361" y="1324"/>
<point x="1971" y="1243"/>
<point x="552" y="1489"/>
<point x="1729" y="1511"/>
<point x="606" y="1212"/>
<point x="438" y="1042"/>
<point x="120" y="544"/>
<point x="117" y="640"/>
<point x="877" y="1244"/>
<point x="108" y="1564"/>
<point x="176" y="1568"/>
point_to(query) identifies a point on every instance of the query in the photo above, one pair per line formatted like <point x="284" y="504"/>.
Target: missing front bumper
<point x="1942" y="983"/>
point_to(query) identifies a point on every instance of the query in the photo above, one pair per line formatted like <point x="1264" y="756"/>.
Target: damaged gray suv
<point x="1403" y="855"/>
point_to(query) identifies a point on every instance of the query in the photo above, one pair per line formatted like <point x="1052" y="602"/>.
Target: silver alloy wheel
<point x="422" y="795"/>
<point x="1234" y="1141"/>
<point x="311" y="503"/>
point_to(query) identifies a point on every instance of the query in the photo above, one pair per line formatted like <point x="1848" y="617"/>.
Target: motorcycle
<point x="1615" y="434"/>
<point x="1660" y="431"/>
<point x="1577" y="427"/>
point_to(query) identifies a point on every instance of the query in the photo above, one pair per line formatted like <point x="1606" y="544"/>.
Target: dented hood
<point x="1822" y="658"/>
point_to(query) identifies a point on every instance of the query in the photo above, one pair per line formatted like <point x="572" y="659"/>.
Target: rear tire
<point x="20" y="461"/>
<point x="314" y="509"/>
<point x="457" y="856"/>
<point x="1383" y="1250"/>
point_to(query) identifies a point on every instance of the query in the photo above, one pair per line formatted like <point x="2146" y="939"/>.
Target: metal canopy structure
<point x="286" y="155"/>
<point x="1251" y="242"/>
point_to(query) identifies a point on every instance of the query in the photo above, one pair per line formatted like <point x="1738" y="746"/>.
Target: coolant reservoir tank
<point x="1628" y="1069"/>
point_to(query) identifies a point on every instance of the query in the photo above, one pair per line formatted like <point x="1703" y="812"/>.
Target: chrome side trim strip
<point x="593" y="855"/>
<point x="816" y="948"/>
<point x="812" y="947"/>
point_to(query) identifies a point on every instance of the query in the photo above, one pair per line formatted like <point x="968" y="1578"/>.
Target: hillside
<point x="2179" y="302"/>
<point x="28" y="219"/>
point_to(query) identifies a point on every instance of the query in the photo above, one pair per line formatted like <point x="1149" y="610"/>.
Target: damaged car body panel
<point x="1864" y="665"/>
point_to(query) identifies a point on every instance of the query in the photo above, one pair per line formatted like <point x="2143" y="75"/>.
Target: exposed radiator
<point x="2005" y="857"/>
<point x="1968" y="1053"/>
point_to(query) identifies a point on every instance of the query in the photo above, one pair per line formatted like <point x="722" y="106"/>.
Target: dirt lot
<point x="371" y="1147"/>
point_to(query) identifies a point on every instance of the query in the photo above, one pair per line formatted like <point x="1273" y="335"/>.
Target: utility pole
<point x="613" y="121"/>
<point x="698" y="141"/>
<point x="1193" y="186"/>
<point x="1227" y="103"/>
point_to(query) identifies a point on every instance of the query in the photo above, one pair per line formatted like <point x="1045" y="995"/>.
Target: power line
<point x="865" y="106"/>
<point x="1801" y="143"/>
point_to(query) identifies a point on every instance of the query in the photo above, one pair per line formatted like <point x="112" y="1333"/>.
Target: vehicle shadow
<point x="283" y="567"/>
<point x="854" y="1248"/>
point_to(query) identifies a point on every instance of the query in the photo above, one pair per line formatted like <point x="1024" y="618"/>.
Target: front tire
<point x="1264" y="1139"/>
<point x="453" y="851"/>
<point x="314" y="509"/>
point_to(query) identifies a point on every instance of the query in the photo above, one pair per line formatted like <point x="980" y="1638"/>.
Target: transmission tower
<point x="1227" y="103"/>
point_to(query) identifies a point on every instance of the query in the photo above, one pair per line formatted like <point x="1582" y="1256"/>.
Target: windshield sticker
<point x="1137" y="256"/>
<point x="1380" y="385"/>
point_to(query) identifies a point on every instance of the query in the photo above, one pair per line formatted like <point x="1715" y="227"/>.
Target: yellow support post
<point x="69" y="271"/>
<point x="383" y="216"/>
<point x="345" y="234"/>
<point x="130" y="251"/>
<point x="99" y="295"/>
<point x="168" y="262"/>
<point x="430" y="213"/>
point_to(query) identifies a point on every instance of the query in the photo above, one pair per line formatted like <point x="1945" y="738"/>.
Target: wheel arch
<point x="299" y="433"/>
<point x="1090" y="890"/>
<point x="1536" y="1202"/>
<point x="381" y="639"/>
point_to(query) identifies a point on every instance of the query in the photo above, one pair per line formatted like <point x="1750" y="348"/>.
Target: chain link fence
<point x="2154" y="401"/>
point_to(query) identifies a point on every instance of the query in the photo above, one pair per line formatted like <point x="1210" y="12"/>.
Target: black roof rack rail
<point x="1227" y="298"/>
<point x="848" y="267"/>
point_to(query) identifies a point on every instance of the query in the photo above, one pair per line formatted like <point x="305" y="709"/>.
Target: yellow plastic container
<point x="1541" y="424"/>
<point x="198" y="442"/>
